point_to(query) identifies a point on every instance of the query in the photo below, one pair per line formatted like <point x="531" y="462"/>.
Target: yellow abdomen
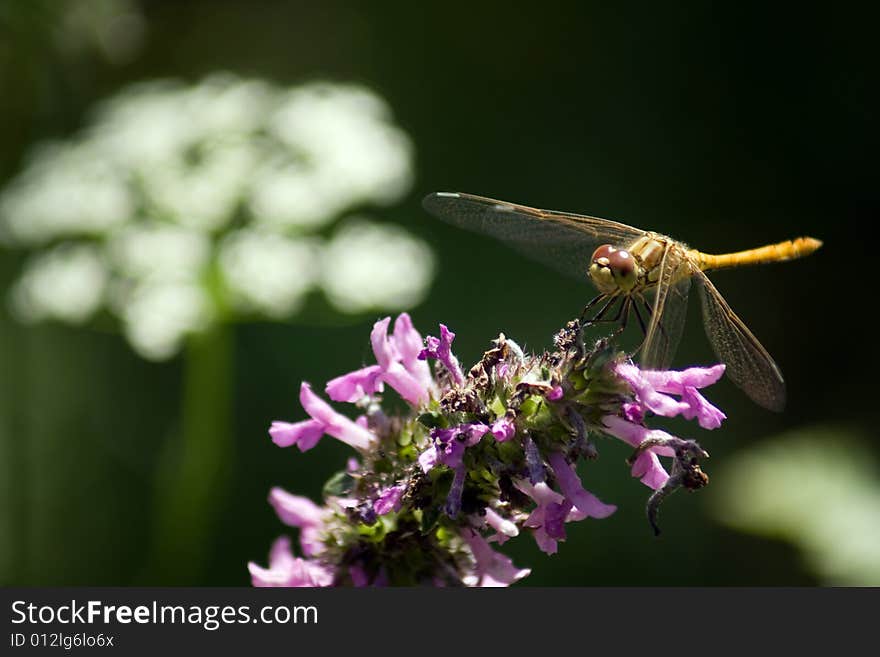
<point x="787" y="250"/>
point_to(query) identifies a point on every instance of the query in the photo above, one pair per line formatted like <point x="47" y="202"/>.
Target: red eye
<point x="603" y="251"/>
<point x="621" y="262"/>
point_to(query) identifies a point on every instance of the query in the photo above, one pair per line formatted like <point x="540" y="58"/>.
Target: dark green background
<point x="726" y="126"/>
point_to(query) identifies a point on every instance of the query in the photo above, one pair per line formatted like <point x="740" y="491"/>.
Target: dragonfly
<point x="636" y="272"/>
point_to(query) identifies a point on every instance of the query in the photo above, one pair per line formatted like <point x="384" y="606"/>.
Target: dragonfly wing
<point x="669" y="310"/>
<point x="749" y="365"/>
<point x="563" y="241"/>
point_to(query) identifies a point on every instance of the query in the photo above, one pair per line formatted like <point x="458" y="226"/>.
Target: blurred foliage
<point x="817" y="488"/>
<point x="726" y="126"/>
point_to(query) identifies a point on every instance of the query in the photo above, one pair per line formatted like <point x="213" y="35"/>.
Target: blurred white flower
<point x="348" y="153"/>
<point x="267" y="273"/>
<point x="66" y="283"/>
<point x="287" y="194"/>
<point x="158" y="316"/>
<point x="818" y="489"/>
<point x="158" y="252"/>
<point x="367" y="266"/>
<point x="68" y="190"/>
<point x="174" y="184"/>
<point x="203" y="194"/>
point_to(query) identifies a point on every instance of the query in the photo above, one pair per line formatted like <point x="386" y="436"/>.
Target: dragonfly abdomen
<point x="787" y="250"/>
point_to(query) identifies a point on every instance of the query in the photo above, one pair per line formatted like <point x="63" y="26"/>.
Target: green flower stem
<point x="15" y="519"/>
<point x="191" y="479"/>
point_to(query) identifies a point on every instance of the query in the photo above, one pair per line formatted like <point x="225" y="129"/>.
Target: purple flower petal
<point x="408" y="342"/>
<point x="633" y="412"/>
<point x="300" y="512"/>
<point x="295" y="510"/>
<point x="450" y="453"/>
<point x="649" y="471"/>
<point x="383" y="349"/>
<point x="356" y="385"/>
<point x="503" y="527"/>
<point x="542" y="519"/>
<point x="428" y="459"/>
<point x="304" y="435"/>
<point x="708" y="416"/>
<point x="405" y="384"/>
<point x="441" y="349"/>
<point x="492" y="568"/>
<point x="555" y="394"/>
<point x="287" y="570"/>
<point x="335" y="424"/>
<point x="445" y="435"/>
<point x="389" y="500"/>
<point x="653" y="390"/>
<point x="647" y="466"/>
<point x="635" y="434"/>
<point x="584" y="501"/>
<point x="675" y="381"/>
<point x="503" y="429"/>
<point x="449" y="443"/>
<point x="473" y="432"/>
<point x="394" y="354"/>
<point x="555" y="515"/>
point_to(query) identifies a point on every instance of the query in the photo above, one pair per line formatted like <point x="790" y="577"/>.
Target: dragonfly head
<point x="613" y="270"/>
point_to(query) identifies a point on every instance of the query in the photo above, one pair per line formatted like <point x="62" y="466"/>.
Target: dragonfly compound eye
<point x="613" y="269"/>
<point x="600" y="269"/>
<point x="623" y="268"/>
<point x="602" y="255"/>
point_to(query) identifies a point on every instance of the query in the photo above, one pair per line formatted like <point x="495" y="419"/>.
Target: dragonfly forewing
<point x="561" y="240"/>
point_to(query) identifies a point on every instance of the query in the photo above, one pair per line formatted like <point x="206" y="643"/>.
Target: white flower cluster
<point x="182" y="205"/>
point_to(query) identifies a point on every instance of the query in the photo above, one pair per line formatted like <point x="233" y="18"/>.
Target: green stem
<point x="15" y="525"/>
<point x="192" y="477"/>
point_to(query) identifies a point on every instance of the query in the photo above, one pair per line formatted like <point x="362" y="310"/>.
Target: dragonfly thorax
<point x="613" y="270"/>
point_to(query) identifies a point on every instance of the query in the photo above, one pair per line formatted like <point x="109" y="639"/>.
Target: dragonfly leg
<point x="644" y="328"/>
<point x="623" y="315"/>
<point x="592" y="303"/>
<point x="600" y="316"/>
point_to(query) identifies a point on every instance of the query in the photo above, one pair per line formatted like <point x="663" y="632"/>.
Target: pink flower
<point x="305" y="434"/>
<point x="504" y="528"/>
<point x="397" y="365"/>
<point x="646" y="466"/>
<point x="492" y="568"/>
<point x="653" y="390"/>
<point x="449" y="444"/>
<point x="441" y="349"/>
<point x="428" y="459"/>
<point x="389" y="500"/>
<point x="547" y="519"/>
<point x="587" y="504"/>
<point x="301" y="512"/>
<point x="503" y="429"/>
<point x="286" y="570"/>
<point x="555" y="394"/>
<point x="356" y="385"/>
<point x="633" y="412"/>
